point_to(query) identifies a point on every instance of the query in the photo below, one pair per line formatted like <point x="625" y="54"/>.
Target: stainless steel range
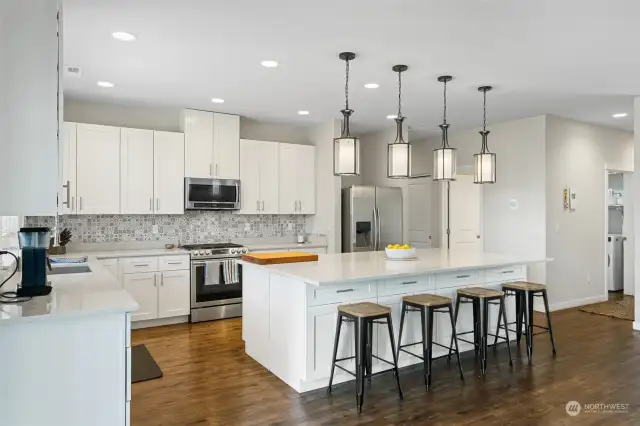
<point x="216" y="281"/>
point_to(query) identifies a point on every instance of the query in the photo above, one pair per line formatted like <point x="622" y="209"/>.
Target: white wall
<point x="257" y="130"/>
<point x="635" y="194"/>
<point x="327" y="220"/>
<point x="520" y="150"/>
<point x="28" y="107"/>
<point x="577" y="156"/>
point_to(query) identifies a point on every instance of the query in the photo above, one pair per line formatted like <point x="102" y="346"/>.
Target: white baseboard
<point x="636" y="325"/>
<point x="159" y="322"/>
<point x="575" y="303"/>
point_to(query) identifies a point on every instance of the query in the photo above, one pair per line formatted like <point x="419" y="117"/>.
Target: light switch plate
<point x="155" y="229"/>
<point x="290" y="226"/>
<point x="247" y="226"/>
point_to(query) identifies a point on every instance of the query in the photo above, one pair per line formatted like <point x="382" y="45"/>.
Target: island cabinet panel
<point x="459" y="278"/>
<point x="255" y="313"/>
<point x="411" y="285"/>
<point x="506" y="274"/>
<point x="324" y="295"/>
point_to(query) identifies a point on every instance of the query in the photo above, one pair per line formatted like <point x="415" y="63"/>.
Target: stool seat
<point x="427" y="300"/>
<point x="480" y="292"/>
<point x="364" y="309"/>
<point x="523" y="285"/>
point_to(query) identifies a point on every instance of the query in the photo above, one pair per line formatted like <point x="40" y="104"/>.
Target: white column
<point x="636" y="211"/>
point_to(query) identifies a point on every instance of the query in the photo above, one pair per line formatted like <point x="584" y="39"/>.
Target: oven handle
<point x="202" y="262"/>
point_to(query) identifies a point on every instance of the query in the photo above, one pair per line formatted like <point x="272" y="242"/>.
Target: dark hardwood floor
<point x="210" y="381"/>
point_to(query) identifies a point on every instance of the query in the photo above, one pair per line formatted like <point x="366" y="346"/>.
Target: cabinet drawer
<point x="134" y="265"/>
<point x="409" y="285"/>
<point x="506" y="273"/>
<point x="459" y="278"/>
<point x="173" y="263"/>
<point x="325" y="295"/>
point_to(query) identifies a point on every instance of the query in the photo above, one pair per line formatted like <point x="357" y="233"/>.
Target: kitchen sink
<point x="69" y="269"/>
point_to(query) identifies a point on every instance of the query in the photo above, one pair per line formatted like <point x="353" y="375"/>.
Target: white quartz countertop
<point x="112" y="254"/>
<point x="353" y="267"/>
<point x="72" y="295"/>
<point x="283" y="246"/>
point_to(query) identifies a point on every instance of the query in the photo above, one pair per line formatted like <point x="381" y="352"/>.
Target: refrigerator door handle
<point x="374" y="231"/>
<point x="378" y="229"/>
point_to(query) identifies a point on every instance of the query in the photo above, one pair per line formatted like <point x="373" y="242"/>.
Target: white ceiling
<point x="574" y="58"/>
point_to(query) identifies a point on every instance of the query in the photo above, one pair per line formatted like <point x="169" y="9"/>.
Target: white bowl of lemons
<point x="399" y="251"/>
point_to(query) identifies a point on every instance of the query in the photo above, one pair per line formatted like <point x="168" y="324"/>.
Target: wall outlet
<point x="155" y="229"/>
<point x="247" y="226"/>
<point x="290" y="226"/>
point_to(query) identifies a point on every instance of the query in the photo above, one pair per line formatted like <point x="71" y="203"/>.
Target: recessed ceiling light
<point x="105" y="84"/>
<point x="303" y="112"/>
<point x="620" y="115"/>
<point x="217" y="100"/>
<point x="392" y="117"/>
<point x="372" y="85"/>
<point x="269" y="64"/>
<point x="123" y="36"/>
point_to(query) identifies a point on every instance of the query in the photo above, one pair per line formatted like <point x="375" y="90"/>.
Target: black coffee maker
<point x="34" y="243"/>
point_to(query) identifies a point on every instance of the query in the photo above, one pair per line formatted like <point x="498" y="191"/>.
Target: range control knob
<point x="245" y="250"/>
<point x="194" y="252"/>
<point x="233" y="251"/>
<point x="201" y="252"/>
<point x="207" y="251"/>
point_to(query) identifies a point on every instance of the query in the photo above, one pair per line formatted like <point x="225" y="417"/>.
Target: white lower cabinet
<point x="143" y="287"/>
<point x="111" y="265"/>
<point x="162" y="290"/>
<point x="173" y="300"/>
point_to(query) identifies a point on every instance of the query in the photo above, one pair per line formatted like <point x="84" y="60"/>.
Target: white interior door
<point x="420" y="213"/>
<point x="136" y="171"/>
<point x="465" y="213"/>
<point x="168" y="176"/>
<point x="98" y="159"/>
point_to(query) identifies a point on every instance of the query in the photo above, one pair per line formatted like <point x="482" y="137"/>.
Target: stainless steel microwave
<point x="211" y="194"/>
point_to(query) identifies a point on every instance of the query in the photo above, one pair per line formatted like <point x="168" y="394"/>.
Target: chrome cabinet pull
<point x="81" y="208"/>
<point x="73" y="204"/>
<point x="409" y="282"/>
<point x="155" y="280"/>
<point x="463" y="276"/>
<point x="138" y="279"/>
<point x="68" y="186"/>
<point x="140" y="264"/>
<point x="507" y="272"/>
<point x="344" y="291"/>
<point x="158" y="204"/>
<point x="162" y="280"/>
<point x="257" y="205"/>
<point x="210" y="169"/>
<point x="262" y="205"/>
<point x="174" y="263"/>
<point x="217" y="173"/>
<point x="151" y="204"/>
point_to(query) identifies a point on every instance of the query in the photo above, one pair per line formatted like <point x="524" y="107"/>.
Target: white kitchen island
<point x="290" y="310"/>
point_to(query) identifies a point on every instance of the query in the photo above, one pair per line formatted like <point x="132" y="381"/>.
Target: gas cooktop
<point x="215" y="250"/>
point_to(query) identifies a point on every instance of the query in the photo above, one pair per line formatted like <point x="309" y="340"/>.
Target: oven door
<point x="215" y="282"/>
<point x="211" y="194"/>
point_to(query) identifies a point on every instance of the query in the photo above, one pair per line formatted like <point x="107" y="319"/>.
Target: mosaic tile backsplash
<point x="192" y="227"/>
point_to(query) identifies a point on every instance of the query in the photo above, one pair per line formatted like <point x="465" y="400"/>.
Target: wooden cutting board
<point x="280" y="257"/>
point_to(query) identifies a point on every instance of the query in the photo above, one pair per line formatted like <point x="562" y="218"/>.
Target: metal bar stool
<point x="524" y="293"/>
<point x="364" y="315"/>
<point x="427" y="305"/>
<point x="480" y="298"/>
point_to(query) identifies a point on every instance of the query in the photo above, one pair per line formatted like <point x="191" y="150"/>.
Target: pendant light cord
<point x="346" y="86"/>
<point x="484" y="106"/>
<point x="444" y="116"/>
<point x="399" y="94"/>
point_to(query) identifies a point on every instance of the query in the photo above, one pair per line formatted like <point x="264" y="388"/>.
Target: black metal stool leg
<point x="395" y="358"/>
<point x="503" y="310"/>
<point x="528" y="295"/>
<point x="404" y="306"/>
<point x="455" y="340"/>
<point x="369" y="352"/>
<point x="360" y="334"/>
<point x="483" y="310"/>
<point x="546" y="309"/>
<point x="476" y="326"/>
<point x="427" y="338"/>
<point x="453" y="327"/>
<point x="519" y="313"/>
<point x="335" y="351"/>
<point x="495" y="340"/>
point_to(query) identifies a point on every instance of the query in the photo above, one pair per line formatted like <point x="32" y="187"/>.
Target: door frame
<point x="445" y="219"/>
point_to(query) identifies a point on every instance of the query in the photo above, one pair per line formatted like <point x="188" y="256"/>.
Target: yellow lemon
<point x="406" y="246"/>
<point x="390" y="246"/>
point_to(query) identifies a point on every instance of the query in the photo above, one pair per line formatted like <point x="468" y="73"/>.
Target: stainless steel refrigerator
<point x="371" y="218"/>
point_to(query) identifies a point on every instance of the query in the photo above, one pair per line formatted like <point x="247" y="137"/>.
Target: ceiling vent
<point x="74" y="72"/>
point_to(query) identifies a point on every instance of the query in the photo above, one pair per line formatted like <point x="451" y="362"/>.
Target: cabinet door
<point x="288" y="195"/>
<point x="111" y="265"/>
<point x="249" y="177"/>
<point x="98" y="169"/>
<point x="269" y="177"/>
<point x="136" y="171"/>
<point x="198" y="137"/>
<point x="306" y="179"/>
<point x="174" y="293"/>
<point x="168" y="172"/>
<point x="226" y="146"/>
<point x="143" y="287"/>
<point x="68" y="164"/>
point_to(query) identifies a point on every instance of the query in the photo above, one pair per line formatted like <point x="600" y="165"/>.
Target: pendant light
<point x="346" y="148"/>
<point x="444" y="158"/>
<point x="485" y="161"/>
<point x="399" y="151"/>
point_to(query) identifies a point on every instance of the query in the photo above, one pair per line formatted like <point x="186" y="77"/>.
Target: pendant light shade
<point x="346" y="148"/>
<point x="445" y="157"/>
<point x="399" y="151"/>
<point x="485" y="161"/>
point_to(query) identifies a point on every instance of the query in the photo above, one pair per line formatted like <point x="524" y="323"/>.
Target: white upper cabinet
<point x="226" y="146"/>
<point x="168" y="173"/>
<point x="198" y="136"/>
<point x="29" y="117"/>
<point x="297" y="179"/>
<point x="136" y="171"/>
<point x="259" y="177"/>
<point x="68" y="144"/>
<point x="98" y="169"/>
<point x="212" y="144"/>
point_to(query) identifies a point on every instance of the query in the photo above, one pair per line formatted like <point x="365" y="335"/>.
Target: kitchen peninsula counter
<point x="290" y="310"/>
